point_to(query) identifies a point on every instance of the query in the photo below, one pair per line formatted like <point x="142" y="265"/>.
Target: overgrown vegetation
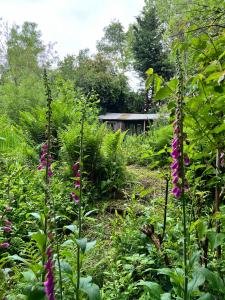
<point x="88" y="213"/>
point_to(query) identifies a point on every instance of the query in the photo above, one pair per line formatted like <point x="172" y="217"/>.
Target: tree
<point x="147" y="46"/>
<point x="96" y="74"/>
<point x="24" y="46"/>
<point x="21" y="70"/>
<point x="114" y="44"/>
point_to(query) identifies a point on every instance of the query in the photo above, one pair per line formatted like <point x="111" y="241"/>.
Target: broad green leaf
<point x="34" y="292"/>
<point x="40" y="239"/>
<point x="73" y="228"/>
<point x="172" y="84"/>
<point x="214" y="280"/>
<point x="29" y="275"/>
<point x="163" y="93"/>
<point x="197" y="280"/>
<point x="176" y="275"/>
<point x="90" y="245"/>
<point x="215" y="239"/>
<point x="165" y="296"/>
<point x="66" y="268"/>
<point x="148" y="82"/>
<point x="89" y="288"/>
<point x="154" y="288"/>
<point x="82" y="243"/>
<point x="157" y="83"/>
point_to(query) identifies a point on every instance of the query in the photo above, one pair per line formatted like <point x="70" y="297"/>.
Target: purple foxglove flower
<point x="175" y="142"/>
<point x="44" y="147"/>
<point x="175" y="179"/>
<point x="75" y="197"/>
<point x="175" y="153"/>
<point x="50" y="174"/>
<point x="77" y="184"/>
<point x="175" y="173"/>
<point x="176" y="192"/>
<point x="76" y="166"/>
<point x="176" y="130"/>
<point x="49" y="282"/>
<point x="7" y="228"/>
<point x="186" y="160"/>
<point x="174" y="165"/>
<point x="4" y="245"/>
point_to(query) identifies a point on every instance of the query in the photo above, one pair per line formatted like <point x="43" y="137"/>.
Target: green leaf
<point x="163" y="93"/>
<point x="215" y="239"/>
<point x="219" y="128"/>
<point x="157" y="83"/>
<point x="82" y="243"/>
<point x="154" y="288"/>
<point x="214" y="280"/>
<point x="148" y="82"/>
<point x="90" y="212"/>
<point x="73" y="228"/>
<point x="172" y="84"/>
<point x="66" y="268"/>
<point x="36" y="215"/>
<point x="68" y="242"/>
<point x="150" y="71"/>
<point x="18" y="258"/>
<point x="89" y="288"/>
<point x="34" y="292"/>
<point x="165" y="296"/>
<point x="90" y="245"/>
<point x="197" y="280"/>
<point x="40" y="239"/>
<point x="206" y="297"/>
<point x="29" y="276"/>
<point x="176" y="275"/>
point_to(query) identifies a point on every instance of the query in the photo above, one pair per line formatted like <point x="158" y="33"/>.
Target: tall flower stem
<point x="80" y="198"/>
<point x="183" y="199"/>
<point x="165" y="207"/>
<point x="48" y="174"/>
<point x="217" y="201"/>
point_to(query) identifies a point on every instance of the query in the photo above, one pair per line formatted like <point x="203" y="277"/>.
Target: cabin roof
<point x="128" y="117"/>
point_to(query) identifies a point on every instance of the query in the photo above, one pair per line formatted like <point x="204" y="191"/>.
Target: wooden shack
<point x="135" y="123"/>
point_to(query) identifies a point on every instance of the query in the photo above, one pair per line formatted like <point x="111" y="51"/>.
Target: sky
<point x="73" y="24"/>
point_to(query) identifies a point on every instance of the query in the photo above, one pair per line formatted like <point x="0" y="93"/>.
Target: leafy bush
<point x="141" y="149"/>
<point x="104" y="162"/>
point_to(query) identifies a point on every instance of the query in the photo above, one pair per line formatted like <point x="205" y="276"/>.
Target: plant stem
<point x="183" y="199"/>
<point x="165" y="208"/>
<point x="80" y="200"/>
<point x="217" y="201"/>
<point x="57" y="251"/>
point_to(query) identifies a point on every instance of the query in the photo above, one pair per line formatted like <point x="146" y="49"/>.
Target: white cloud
<point x="73" y="24"/>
